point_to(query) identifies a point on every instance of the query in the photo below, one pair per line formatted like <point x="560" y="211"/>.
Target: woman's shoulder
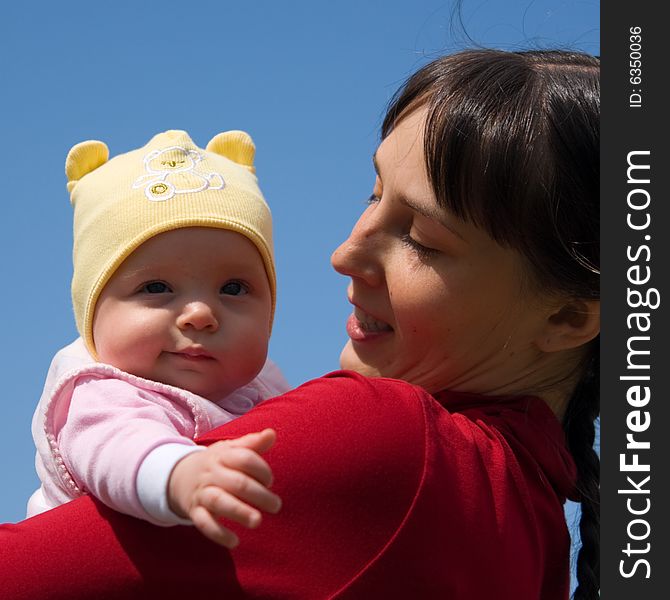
<point x="344" y="403"/>
<point x="348" y="390"/>
<point x="353" y="432"/>
<point x="348" y="463"/>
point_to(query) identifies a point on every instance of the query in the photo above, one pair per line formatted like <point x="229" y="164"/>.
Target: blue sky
<point x="308" y="80"/>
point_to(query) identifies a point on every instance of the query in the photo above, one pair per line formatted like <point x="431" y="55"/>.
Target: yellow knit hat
<point x="168" y="184"/>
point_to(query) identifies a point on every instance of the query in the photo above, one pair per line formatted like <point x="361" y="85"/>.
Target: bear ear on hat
<point x="84" y="158"/>
<point x="235" y="145"/>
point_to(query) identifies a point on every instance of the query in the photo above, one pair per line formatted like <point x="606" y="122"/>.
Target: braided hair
<point x="579" y="427"/>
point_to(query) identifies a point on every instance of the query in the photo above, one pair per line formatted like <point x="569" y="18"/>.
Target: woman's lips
<point x="362" y="327"/>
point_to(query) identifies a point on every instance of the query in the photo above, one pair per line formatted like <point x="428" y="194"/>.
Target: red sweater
<point x="387" y="492"/>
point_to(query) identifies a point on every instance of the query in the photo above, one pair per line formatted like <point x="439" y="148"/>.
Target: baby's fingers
<point x="212" y="529"/>
<point x="244" y="460"/>
<point x="246" y="489"/>
<point x="259" y="441"/>
<point x="221" y="504"/>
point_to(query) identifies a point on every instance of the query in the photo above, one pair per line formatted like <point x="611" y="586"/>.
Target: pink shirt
<point x="97" y="427"/>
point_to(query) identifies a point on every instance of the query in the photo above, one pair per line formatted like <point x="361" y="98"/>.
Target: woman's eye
<point x="372" y="199"/>
<point x="234" y="288"/>
<point x="156" y="287"/>
<point x="423" y="252"/>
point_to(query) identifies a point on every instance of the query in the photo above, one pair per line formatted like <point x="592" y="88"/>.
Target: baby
<point x="174" y="295"/>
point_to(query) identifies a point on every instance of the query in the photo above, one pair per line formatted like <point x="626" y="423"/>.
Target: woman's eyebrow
<point x="432" y="213"/>
<point x="375" y="164"/>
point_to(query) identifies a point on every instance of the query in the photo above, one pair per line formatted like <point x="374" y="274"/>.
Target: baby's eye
<point x="156" y="287"/>
<point x="234" y="288"/>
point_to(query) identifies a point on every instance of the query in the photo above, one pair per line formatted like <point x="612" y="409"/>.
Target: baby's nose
<point x="198" y="315"/>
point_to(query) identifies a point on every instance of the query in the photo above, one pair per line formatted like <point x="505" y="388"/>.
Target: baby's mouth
<point x="193" y="354"/>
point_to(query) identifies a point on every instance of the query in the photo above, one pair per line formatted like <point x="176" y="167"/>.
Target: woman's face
<point x="436" y="301"/>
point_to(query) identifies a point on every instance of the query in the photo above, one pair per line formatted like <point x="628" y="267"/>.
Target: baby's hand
<point x="227" y="480"/>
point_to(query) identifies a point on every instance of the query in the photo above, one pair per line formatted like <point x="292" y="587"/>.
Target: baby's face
<point x="190" y="308"/>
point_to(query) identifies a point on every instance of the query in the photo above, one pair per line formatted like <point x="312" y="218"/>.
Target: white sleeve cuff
<point x="152" y="481"/>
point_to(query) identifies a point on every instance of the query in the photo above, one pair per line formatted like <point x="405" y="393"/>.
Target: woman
<point x="474" y="280"/>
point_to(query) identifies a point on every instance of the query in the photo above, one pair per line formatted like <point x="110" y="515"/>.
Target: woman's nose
<point x="198" y="315"/>
<point x="359" y="255"/>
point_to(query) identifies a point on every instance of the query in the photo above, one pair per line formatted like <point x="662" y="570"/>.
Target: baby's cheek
<point x="254" y="357"/>
<point x="118" y="347"/>
<point x="111" y="356"/>
<point x="104" y="345"/>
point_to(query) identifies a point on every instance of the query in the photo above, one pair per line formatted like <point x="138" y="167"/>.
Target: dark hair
<point x="512" y="145"/>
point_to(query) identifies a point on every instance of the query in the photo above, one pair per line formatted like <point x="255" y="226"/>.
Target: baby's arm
<point x="227" y="481"/>
<point x="114" y="428"/>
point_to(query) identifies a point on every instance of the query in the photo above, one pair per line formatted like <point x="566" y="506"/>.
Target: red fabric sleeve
<point x="348" y="462"/>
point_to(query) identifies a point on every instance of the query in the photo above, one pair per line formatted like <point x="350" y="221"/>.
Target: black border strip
<point x="635" y="270"/>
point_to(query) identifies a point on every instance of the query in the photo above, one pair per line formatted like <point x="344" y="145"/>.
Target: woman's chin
<point x="351" y="361"/>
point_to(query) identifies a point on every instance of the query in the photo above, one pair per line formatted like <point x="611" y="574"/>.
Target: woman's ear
<point x="574" y="324"/>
